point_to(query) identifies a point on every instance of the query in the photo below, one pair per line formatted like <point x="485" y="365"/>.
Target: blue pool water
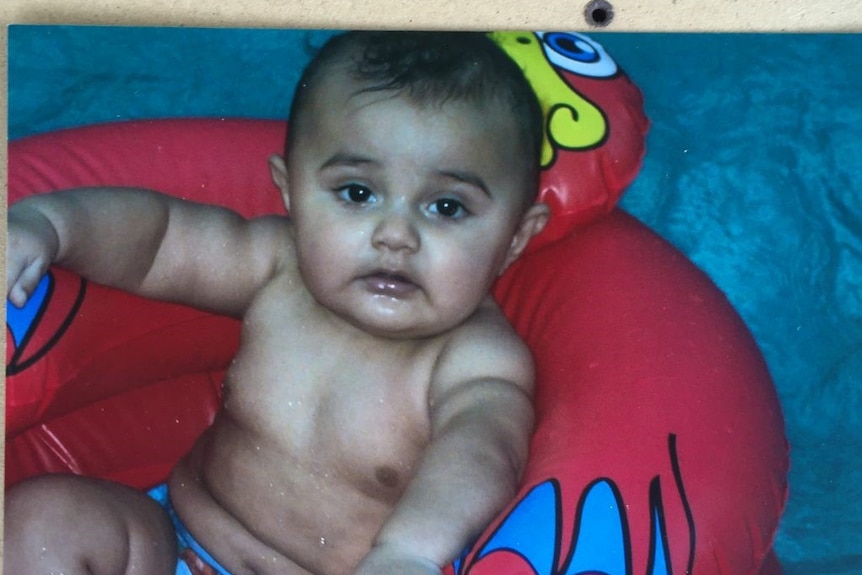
<point x="754" y="170"/>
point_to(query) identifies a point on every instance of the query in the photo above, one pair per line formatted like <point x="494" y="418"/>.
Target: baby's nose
<point x="396" y="232"/>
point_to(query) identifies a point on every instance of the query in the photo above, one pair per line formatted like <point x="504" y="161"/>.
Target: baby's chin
<point x="403" y="330"/>
<point x="401" y="324"/>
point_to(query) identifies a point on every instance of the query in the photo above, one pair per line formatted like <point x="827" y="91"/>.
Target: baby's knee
<point x="39" y="523"/>
<point x="83" y="525"/>
<point x="43" y="500"/>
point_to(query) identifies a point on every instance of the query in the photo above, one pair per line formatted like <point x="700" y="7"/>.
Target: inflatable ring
<point x="659" y="446"/>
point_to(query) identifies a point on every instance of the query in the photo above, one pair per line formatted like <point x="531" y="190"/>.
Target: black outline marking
<point x="689" y="516"/>
<point x="14" y="367"/>
<point x="657" y="532"/>
<point x="558" y="536"/>
<point x="556" y="146"/>
<point x="627" y="543"/>
<point x="602" y="141"/>
<point x="34" y="324"/>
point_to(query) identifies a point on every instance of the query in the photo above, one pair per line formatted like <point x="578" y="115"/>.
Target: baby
<point x="378" y="412"/>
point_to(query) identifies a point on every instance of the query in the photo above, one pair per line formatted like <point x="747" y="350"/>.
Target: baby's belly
<point x="258" y="507"/>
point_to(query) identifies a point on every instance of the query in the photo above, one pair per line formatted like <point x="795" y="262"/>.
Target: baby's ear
<point x="532" y="222"/>
<point x="278" y="169"/>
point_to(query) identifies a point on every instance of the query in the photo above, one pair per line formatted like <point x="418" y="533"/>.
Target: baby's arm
<point x="481" y="425"/>
<point x="140" y="241"/>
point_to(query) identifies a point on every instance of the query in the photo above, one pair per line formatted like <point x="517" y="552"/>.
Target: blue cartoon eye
<point x="569" y="46"/>
<point x="577" y="54"/>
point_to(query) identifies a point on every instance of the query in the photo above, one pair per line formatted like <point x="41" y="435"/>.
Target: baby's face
<point x="403" y="215"/>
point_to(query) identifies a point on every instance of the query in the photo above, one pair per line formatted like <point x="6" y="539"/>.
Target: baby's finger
<point x="25" y="285"/>
<point x="18" y="296"/>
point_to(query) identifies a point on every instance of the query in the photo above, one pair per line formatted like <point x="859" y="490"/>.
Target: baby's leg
<point x="74" y="525"/>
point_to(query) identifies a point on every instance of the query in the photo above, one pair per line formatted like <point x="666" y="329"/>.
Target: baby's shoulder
<point x="486" y="346"/>
<point x="488" y="328"/>
<point x="263" y="252"/>
<point x="272" y="241"/>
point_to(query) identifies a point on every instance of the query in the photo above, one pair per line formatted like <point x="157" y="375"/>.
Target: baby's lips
<point x="389" y="284"/>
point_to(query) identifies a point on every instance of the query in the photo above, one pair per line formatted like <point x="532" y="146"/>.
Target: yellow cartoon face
<point x="571" y="121"/>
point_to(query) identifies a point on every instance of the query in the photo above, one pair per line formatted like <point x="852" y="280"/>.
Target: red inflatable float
<point x="659" y="446"/>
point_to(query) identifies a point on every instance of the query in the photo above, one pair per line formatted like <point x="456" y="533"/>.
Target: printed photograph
<point x="341" y="302"/>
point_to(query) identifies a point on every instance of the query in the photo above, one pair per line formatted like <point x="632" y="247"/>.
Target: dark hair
<point x="431" y="67"/>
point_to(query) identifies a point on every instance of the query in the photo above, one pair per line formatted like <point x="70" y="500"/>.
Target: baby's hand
<point x="31" y="245"/>
<point x="386" y="560"/>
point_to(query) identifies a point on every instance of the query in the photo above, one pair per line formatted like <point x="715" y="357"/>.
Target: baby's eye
<point x="448" y="208"/>
<point x="356" y="194"/>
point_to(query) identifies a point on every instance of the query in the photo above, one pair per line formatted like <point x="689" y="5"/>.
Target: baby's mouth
<point x="389" y="284"/>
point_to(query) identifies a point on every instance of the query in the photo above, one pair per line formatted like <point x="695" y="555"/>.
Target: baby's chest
<point x="374" y="438"/>
<point x="358" y="432"/>
<point x="332" y="406"/>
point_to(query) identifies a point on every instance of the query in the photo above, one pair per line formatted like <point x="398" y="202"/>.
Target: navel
<point x="386" y="476"/>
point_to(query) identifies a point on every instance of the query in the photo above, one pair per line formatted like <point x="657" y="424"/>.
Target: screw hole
<point x="599" y="13"/>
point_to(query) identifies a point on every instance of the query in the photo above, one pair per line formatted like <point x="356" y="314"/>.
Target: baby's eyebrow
<point x="346" y="159"/>
<point x="467" y="178"/>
